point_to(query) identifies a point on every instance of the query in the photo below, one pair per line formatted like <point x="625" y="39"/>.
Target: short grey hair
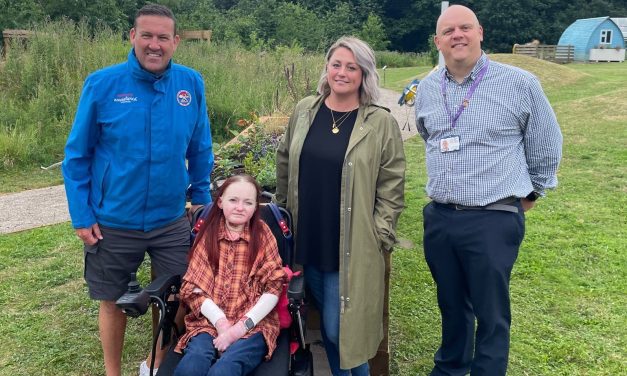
<point x="364" y="56"/>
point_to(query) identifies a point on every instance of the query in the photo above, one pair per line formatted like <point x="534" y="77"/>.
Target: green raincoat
<point x="372" y="198"/>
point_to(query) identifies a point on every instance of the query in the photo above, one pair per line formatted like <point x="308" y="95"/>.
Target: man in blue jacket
<point x="140" y="137"/>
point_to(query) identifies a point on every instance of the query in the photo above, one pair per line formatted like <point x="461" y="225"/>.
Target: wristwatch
<point x="248" y="323"/>
<point x="533" y="196"/>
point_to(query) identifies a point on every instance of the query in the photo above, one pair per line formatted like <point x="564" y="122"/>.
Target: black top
<point x="319" y="185"/>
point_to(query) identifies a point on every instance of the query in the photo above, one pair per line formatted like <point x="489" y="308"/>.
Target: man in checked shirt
<point x="493" y="146"/>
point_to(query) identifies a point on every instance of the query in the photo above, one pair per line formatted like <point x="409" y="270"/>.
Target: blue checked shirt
<point x="510" y="141"/>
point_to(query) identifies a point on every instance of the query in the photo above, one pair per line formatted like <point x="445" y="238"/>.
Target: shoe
<point x="144" y="369"/>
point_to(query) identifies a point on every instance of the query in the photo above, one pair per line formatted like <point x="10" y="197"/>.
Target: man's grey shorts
<point x="110" y="262"/>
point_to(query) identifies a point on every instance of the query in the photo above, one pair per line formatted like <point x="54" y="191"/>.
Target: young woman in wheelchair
<point x="231" y="287"/>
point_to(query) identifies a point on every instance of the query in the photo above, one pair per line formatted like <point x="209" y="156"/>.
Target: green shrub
<point x="395" y="59"/>
<point x="253" y="153"/>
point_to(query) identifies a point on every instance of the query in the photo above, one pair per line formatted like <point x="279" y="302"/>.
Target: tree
<point x="337" y="23"/>
<point x="372" y="31"/>
<point x="298" y="25"/>
<point x="19" y="15"/>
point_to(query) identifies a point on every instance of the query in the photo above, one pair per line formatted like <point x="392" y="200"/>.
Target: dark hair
<point x="208" y="232"/>
<point x="155" y="10"/>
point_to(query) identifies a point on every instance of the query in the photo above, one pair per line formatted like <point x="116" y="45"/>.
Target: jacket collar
<point x="140" y="73"/>
<point x="363" y="113"/>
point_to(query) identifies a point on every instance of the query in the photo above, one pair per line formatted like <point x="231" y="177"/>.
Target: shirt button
<point x="349" y="209"/>
<point x="350" y="163"/>
<point x="361" y="128"/>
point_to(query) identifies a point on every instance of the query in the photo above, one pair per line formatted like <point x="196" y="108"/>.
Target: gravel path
<point x="47" y="206"/>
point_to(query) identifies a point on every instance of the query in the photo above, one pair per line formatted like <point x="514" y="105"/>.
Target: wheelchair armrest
<point x="163" y="284"/>
<point x="296" y="288"/>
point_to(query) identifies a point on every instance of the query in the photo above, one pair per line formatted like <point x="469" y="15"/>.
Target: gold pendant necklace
<point x="335" y="127"/>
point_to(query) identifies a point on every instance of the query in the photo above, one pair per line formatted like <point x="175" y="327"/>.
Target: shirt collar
<point x="475" y="71"/>
<point x="222" y="234"/>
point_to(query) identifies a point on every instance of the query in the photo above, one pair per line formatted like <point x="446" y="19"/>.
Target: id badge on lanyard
<point x="451" y="143"/>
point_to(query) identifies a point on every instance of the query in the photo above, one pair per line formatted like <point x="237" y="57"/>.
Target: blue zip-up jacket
<point x="125" y="158"/>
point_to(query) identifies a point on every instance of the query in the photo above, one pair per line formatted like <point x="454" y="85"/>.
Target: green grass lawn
<point x="569" y="293"/>
<point x="29" y="178"/>
<point x="397" y="78"/>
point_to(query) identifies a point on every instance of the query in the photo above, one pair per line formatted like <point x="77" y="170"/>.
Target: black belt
<point x="506" y="204"/>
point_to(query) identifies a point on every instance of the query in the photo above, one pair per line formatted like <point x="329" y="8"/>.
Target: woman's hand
<point x="226" y="339"/>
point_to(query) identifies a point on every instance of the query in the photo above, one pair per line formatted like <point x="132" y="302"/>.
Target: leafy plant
<point x="252" y="152"/>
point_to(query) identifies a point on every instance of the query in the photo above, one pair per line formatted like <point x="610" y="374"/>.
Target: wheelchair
<point x="292" y="356"/>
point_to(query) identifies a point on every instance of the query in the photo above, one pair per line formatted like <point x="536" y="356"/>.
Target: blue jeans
<point x="325" y="288"/>
<point x="241" y="358"/>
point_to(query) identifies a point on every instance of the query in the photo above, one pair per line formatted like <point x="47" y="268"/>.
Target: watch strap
<point x="533" y="196"/>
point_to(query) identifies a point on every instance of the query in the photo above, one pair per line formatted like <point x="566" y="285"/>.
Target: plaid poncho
<point x="231" y="288"/>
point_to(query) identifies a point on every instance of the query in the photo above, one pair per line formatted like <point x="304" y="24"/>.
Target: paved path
<point x="405" y="116"/>
<point x="34" y="208"/>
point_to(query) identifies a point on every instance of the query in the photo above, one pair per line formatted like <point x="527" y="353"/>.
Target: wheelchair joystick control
<point x="133" y="285"/>
<point x="135" y="301"/>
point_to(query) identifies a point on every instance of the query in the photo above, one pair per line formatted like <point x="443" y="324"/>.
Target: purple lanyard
<point x="471" y="91"/>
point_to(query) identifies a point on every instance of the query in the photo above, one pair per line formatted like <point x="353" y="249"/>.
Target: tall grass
<point x="393" y="59"/>
<point x="40" y="84"/>
<point x="240" y="82"/>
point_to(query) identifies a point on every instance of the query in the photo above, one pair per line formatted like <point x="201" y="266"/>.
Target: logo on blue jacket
<point x="184" y="98"/>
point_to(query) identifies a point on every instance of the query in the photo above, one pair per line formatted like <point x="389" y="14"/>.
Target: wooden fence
<point x="195" y="35"/>
<point x="10" y="36"/>
<point x="556" y="54"/>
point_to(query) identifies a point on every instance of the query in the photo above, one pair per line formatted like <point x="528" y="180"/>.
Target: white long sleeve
<point x="211" y="311"/>
<point x="264" y="305"/>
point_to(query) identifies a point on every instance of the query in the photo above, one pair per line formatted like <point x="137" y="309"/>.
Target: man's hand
<point x="89" y="235"/>
<point x="235" y="332"/>
<point x="527" y="204"/>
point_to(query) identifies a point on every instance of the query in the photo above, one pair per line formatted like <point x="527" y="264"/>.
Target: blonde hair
<point x="364" y="56"/>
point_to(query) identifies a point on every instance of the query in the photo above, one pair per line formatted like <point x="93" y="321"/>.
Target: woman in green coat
<point x="341" y="172"/>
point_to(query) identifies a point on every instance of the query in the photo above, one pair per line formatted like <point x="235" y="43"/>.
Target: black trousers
<point x="471" y="254"/>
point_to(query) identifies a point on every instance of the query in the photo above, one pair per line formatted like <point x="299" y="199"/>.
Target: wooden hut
<point x="595" y="39"/>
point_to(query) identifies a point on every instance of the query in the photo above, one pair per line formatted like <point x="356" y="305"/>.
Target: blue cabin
<point x="592" y="33"/>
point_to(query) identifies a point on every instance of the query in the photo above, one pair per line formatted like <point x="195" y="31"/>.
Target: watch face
<point x="249" y="324"/>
